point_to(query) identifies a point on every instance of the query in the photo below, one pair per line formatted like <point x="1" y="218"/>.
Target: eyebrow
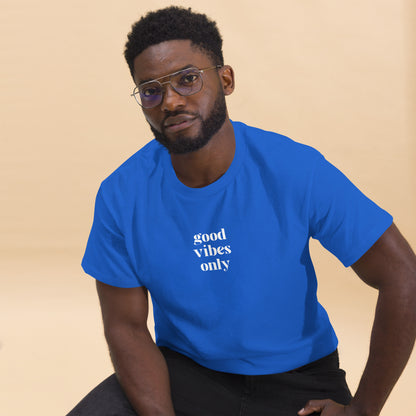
<point x="164" y="76"/>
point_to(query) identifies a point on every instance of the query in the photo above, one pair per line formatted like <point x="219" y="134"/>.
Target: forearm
<point x="142" y="372"/>
<point x="391" y="344"/>
<point x="389" y="266"/>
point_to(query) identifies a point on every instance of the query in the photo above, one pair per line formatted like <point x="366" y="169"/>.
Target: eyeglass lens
<point x="186" y="82"/>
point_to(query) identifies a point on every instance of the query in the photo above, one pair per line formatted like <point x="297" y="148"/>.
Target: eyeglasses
<point x="185" y="82"/>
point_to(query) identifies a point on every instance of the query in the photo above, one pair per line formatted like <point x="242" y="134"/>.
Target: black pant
<point x="198" y="391"/>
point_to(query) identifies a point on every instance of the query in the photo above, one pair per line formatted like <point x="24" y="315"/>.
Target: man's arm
<point x="139" y="365"/>
<point x="390" y="267"/>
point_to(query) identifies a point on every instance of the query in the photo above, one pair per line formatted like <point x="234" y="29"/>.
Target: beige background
<point x="338" y="75"/>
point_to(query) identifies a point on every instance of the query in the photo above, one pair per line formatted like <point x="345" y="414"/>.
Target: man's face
<point x="182" y="124"/>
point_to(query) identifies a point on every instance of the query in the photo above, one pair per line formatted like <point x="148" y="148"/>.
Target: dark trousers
<point x="198" y="391"/>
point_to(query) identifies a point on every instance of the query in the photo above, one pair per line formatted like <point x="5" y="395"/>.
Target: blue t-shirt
<point x="228" y="265"/>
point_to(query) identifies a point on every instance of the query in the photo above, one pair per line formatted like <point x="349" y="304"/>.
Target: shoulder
<point x="280" y="151"/>
<point x="136" y="170"/>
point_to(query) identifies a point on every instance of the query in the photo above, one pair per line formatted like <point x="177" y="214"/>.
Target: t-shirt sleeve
<point x="106" y="257"/>
<point x="342" y="218"/>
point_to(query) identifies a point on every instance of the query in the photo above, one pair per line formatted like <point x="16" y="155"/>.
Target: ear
<point x="226" y="74"/>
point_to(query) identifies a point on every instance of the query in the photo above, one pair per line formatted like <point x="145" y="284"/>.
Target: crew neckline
<point x="221" y="182"/>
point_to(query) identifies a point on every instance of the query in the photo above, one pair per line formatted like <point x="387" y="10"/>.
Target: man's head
<point x="163" y="43"/>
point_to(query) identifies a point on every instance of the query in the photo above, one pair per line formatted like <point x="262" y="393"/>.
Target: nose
<point x="171" y="100"/>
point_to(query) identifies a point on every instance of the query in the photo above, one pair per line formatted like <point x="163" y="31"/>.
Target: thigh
<point x="196" y="391"/>
<point x="285" y="394"/>
<point x="107" y="399"/>
<point x="199" y="391"/>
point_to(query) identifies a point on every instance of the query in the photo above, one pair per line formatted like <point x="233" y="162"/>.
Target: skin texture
<point x="389" y="266"/>
<point x="206" y="165"/>
<point x="138" y="363"/>
<point x="209" y="126"/>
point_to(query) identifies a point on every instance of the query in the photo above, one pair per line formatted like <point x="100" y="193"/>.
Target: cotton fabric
<point x="228" y="265"/>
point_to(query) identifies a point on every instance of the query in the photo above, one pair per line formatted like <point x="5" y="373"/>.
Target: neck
<point x="206" y="165"/>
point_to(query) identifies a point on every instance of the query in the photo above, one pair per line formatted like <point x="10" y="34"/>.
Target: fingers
<point x="315" y="406"/>
<point x="327" y="407"/>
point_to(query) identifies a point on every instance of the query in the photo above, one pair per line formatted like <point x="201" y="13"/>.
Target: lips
<point x="179" y="122"/>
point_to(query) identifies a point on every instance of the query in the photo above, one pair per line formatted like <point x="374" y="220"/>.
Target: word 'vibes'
<point x="205" y="250"/>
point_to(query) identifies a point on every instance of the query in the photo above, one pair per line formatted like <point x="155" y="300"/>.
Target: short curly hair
<point x="173" y="23"/>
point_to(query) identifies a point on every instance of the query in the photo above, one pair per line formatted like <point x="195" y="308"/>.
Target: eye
<point x="150" y="91"/>
<point x="189" y="79"/>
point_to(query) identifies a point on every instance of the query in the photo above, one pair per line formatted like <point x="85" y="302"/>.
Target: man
<point x="213" y="218"/>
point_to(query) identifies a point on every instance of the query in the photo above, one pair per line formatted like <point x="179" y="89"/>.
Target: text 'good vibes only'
<point x="211" y="245"/>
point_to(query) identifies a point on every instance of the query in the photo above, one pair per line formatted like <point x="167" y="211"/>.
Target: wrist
<point x="360" y="408"/>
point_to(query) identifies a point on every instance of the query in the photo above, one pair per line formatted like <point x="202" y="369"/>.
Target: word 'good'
<point x="204" y="238"/>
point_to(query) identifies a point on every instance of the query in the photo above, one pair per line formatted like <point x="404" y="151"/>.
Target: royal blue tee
<point x="228" y="265"/>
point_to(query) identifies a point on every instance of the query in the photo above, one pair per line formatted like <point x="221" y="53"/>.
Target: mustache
<point x="178" y="113"/>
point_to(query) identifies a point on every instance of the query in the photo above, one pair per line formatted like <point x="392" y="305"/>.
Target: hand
<point x="327" y="408"/>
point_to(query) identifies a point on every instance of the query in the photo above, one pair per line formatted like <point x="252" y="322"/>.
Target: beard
<point x="184" y="144"/>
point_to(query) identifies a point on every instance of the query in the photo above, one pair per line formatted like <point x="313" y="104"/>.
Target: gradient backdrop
<point x="337" y="75"/>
